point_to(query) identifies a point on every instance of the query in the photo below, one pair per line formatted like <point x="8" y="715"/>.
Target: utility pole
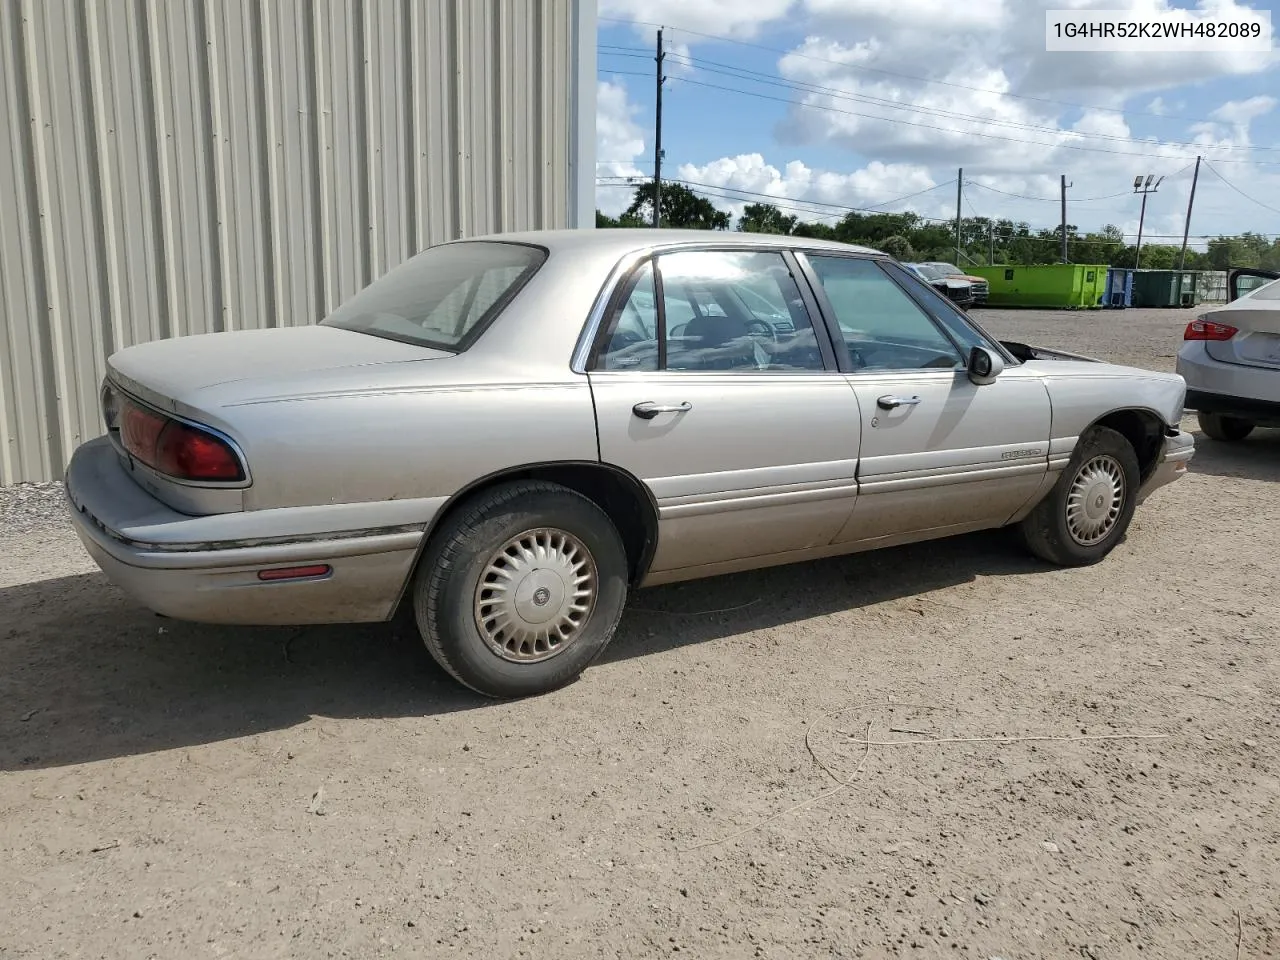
<point x="991" y="238"/>
<point x="959" y="200"/>
<point x="1064" y="217"/>
<point x="1186" y="231"/>
<point x="657" y="138"/>
<point x="1144" y="189"/>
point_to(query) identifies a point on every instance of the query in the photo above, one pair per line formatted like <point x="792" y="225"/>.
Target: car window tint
<point x="442" y="296"/>
<point x="883" y="328"/>
<point x="631" y="338"/>
<point x="945" y="312"/>
<point x="731" y="311"/>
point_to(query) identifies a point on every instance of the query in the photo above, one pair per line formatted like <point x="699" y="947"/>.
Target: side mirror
<point x="984" y="366"/>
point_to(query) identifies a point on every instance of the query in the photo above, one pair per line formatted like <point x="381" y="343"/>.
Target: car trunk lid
<point x="179" y="368"/>
<point x="1257" y="318"/>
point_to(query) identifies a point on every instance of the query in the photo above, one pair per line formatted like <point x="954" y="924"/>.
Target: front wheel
<point x="521" y="589"/>
<point x="1224" y="429"/>
<point x="1089" y="509"/>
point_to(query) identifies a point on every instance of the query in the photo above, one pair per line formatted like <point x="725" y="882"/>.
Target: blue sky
<point x="833" y="104"/>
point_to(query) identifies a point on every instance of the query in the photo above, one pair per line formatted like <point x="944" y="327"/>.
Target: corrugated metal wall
<point x="170" y="167"/>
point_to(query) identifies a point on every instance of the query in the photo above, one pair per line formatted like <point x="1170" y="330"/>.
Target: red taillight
<point x="1208" y="330"/>
<point x="192" y="454"/>
<point x="175" y="448"/>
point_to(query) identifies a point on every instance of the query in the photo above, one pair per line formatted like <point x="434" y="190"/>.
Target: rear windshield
<point x="444" y="297"/>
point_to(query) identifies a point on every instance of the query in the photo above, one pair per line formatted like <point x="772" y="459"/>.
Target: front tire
<point x="1225" y="429"/>
<point x="521" y="589"/>
<point x="1089" y="509"/>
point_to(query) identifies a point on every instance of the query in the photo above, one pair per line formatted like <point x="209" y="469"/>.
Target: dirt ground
<point x="169" y="790"/>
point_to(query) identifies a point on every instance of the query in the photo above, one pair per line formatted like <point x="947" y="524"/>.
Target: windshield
<point x="948" y="270"/>
<point x="444" y="297"/>
<point x="929" y="271"/>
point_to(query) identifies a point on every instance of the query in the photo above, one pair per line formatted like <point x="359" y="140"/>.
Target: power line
<point x="906" y="76"/>
<point x="817" y="203"/>
<point x="1113" y="196"/>
<point x="1020" y="196"/>
<point x="755" y="76"/>
<point x="790" y="203"/>
<point x="952" y="130"/>
<point x="1239" y="191"/>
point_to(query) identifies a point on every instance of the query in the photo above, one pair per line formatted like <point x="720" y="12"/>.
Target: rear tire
<point x="521" y="589"/>
<point x="1225" y="429"/>
<point x="1089" y="509"/>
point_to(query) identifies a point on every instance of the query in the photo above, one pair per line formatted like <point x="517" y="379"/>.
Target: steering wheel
<point x="762" y="328"/>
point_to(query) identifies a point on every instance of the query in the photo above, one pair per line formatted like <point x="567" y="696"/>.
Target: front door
<point x="938" y="452"/>
<point x="712" y="387"/>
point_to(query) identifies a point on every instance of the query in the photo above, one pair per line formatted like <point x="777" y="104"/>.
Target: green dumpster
<point x="1165" y="288"/>
<point x="1063" y="285"/>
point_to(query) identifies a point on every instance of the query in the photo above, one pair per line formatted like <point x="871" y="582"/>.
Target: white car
<point x="1231" y="358"/>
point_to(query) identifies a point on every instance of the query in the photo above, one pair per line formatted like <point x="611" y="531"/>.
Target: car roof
<point x="621" y="240"/>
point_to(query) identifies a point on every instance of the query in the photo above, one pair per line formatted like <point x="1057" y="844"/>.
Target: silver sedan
<point x="512" y="433"/>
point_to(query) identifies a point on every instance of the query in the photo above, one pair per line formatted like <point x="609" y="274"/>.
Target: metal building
<point x="171" y="167"/>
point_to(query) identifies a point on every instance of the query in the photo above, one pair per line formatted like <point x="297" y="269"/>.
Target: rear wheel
<point x="521" y="589"/>
<point x="1225" y="429"/>
<point x="1089" y="509"/>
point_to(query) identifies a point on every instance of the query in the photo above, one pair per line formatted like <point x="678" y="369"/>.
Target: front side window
<point x="882" y="327"/>
<point x="944" y="311"/>
<point x="443" y="297"/>
<point x="722" y="311"/>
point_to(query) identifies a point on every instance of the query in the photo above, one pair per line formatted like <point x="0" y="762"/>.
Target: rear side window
<point x="723" y="311"/>
<point x="442" y="298"/>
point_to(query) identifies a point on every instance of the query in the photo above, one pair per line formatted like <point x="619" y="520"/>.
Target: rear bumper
<point x="177" y="565"/>
<point x="1230" y="389"/>
<point x="1178" y="450"/>
<point x="1262" y="412"/>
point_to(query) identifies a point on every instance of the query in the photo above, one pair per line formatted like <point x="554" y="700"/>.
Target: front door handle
<point x="889" y="403"/>
<point x="648" y="409"/>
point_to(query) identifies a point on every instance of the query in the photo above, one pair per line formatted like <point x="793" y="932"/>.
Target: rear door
<point x="1254" y="311"/>
<point x="712" y="387"/>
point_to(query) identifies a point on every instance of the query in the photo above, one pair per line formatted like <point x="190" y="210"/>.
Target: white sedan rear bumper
<point x="1230" y="389"/>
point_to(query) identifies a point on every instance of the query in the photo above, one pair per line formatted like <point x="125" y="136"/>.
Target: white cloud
<point x="620" y="142"/>
<point x="740" y="19"/>
<point x="990" y="104"/>
<point x="809" y="193"/>
<point x="1240" y="113"/>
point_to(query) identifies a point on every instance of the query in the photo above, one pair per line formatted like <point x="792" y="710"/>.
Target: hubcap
<point x="535" y="594"/>
<point x="1095" y="500"/>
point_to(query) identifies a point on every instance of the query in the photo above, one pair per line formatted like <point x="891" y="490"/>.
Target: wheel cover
<point x="1095" y="500"/>
<point x="535" y="594"/>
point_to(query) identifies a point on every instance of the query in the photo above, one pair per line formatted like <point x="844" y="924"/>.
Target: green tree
<point x="766" y="218"/>
<point x="625" y="220"/>
<point x="815" y="231"/>
<point x="898" y="247"/>
<point x="681" y="207"/>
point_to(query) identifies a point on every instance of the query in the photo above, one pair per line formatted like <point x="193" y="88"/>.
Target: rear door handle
<point x="648" y="409"/>
<point x="889" y="403"/>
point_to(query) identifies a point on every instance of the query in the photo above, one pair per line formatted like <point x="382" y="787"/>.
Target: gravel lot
<point x="173" y="790"/>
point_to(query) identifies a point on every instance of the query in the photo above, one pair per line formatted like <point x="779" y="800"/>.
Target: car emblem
<point x="541" y="596"/>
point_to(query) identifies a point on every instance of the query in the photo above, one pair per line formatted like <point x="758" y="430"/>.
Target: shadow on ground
<point x="1257" y="457"/>
<point x="85" y="674"/>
